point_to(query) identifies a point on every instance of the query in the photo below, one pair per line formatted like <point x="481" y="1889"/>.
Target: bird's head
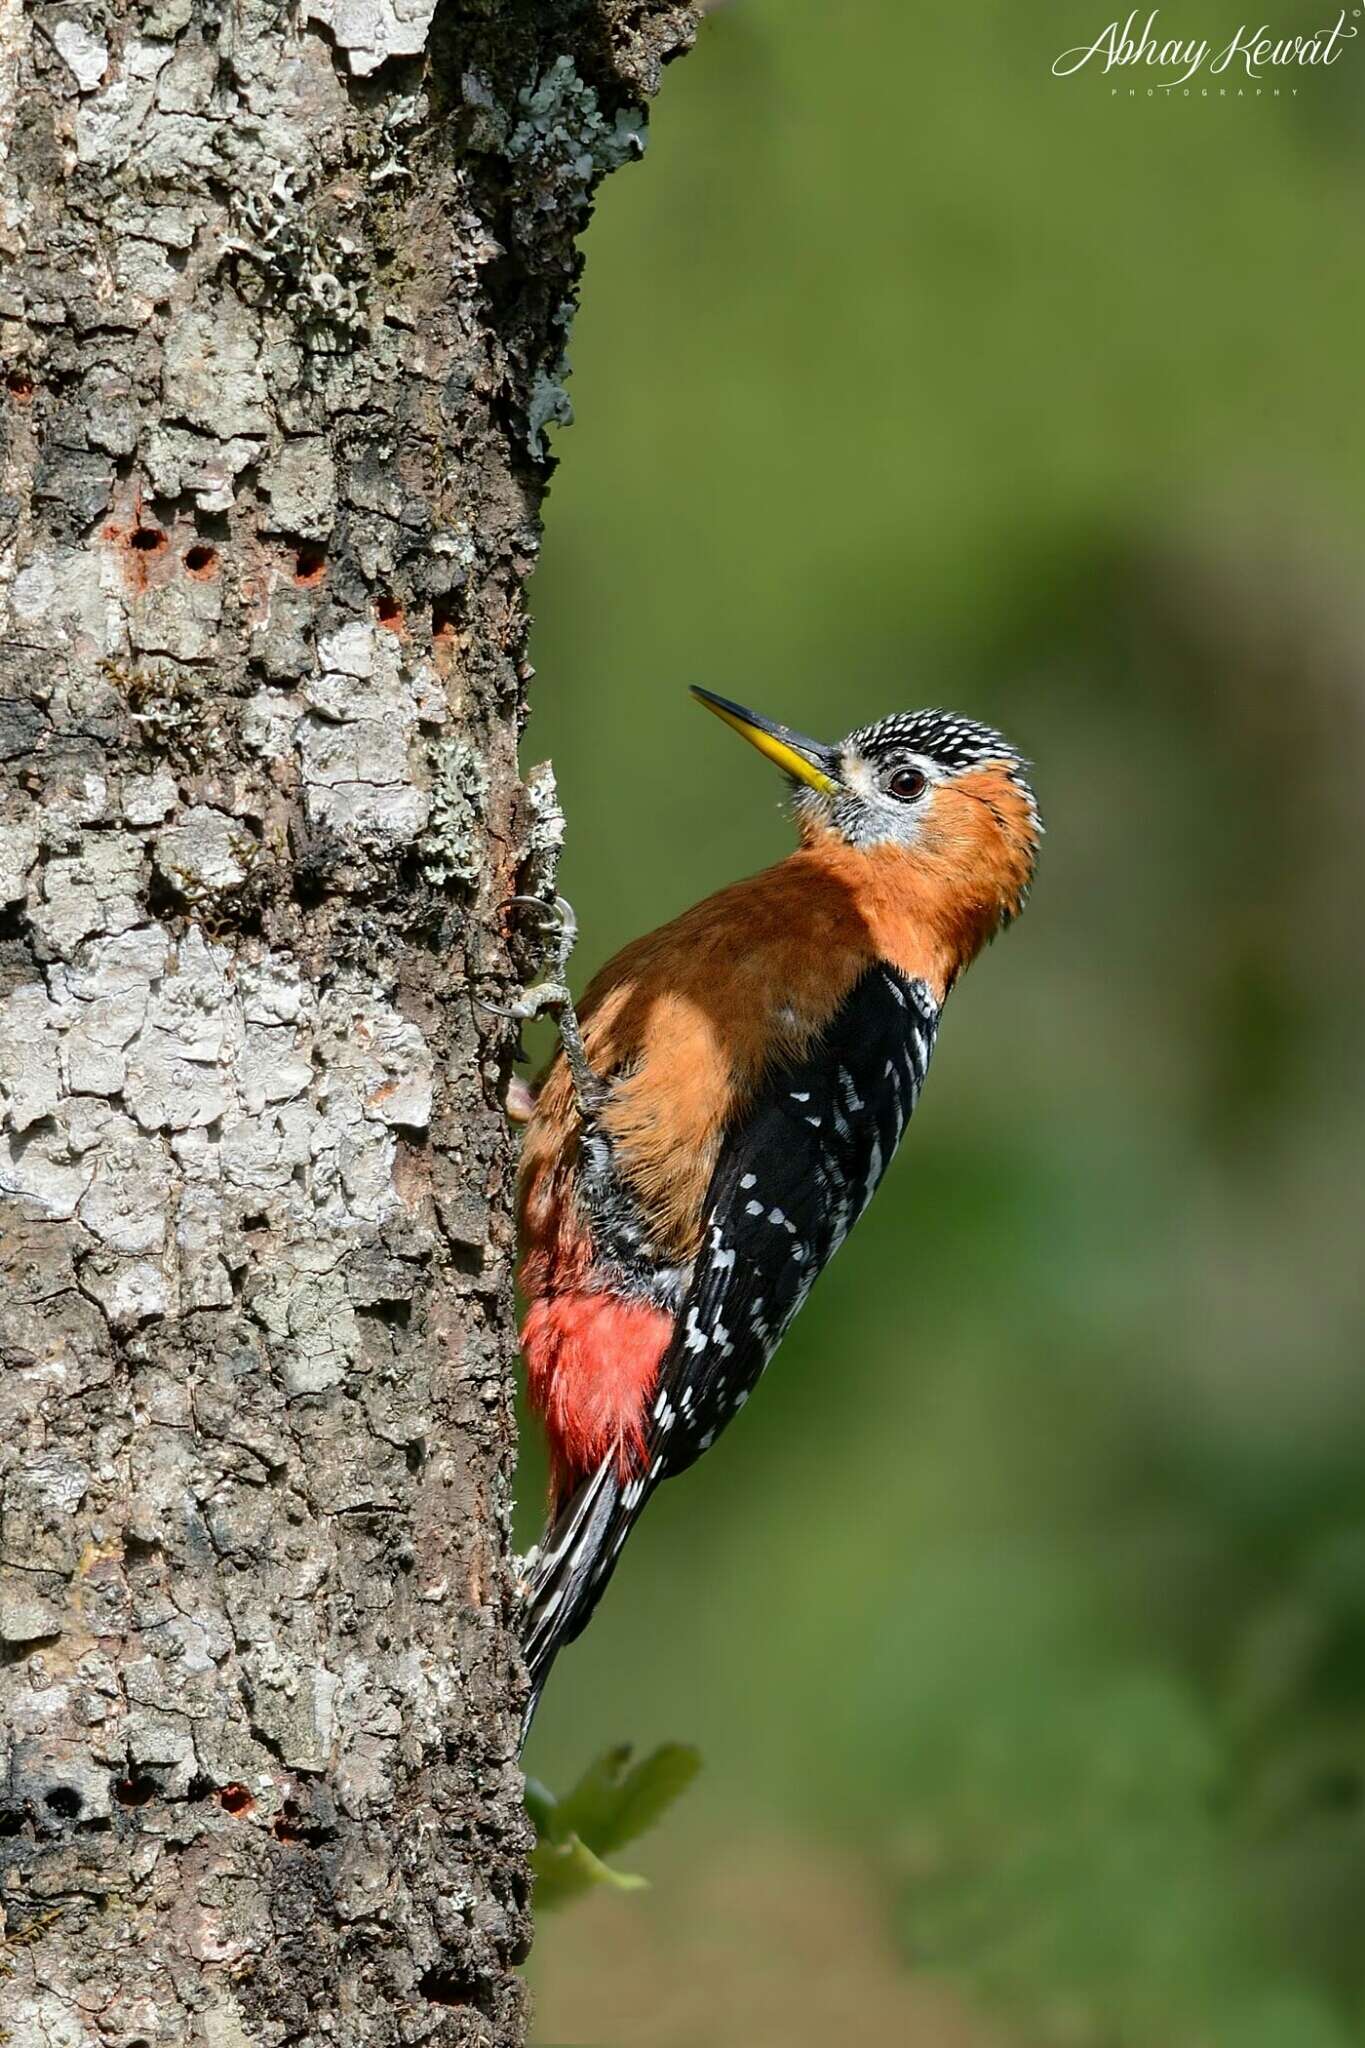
<point x="947" y="794"/>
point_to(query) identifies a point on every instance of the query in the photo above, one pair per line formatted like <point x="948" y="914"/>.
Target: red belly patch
<point x="592" y="1362"/>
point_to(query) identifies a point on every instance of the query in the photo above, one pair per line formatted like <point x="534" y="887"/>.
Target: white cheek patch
<point x="859" y="776"/>
<point x="867" y="816"/>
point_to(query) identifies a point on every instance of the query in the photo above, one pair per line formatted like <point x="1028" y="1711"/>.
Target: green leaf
<point x="543" y="1808"/>
<point x="613" y="1803"/>
<point x="584" y="1805"/>
<point x="564" y="1870"/>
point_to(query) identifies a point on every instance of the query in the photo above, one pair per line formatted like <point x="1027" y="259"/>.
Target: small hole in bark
<point x="467" y="1259"/>
<point x="199" y="1786"/>
<point x="397" y="1313"/>
<point x="19" y="384"/>
<point x="64" y="1801"/>
<point x="19" y="1653"/>
<point x="162" y="899"/>
<point x="148" y="540"/>
<point x="290" y="1826"/>
<point x="389" y="612"/>
<point x="235" y="1798"/>
<point x="310" y="566"/>
<point x="201" y="560"/>
<point x="445" y="1987"/>
<point x="415" y="1454"/>
<point x="255" y="1223"/>
<point x="134" y="1791"/>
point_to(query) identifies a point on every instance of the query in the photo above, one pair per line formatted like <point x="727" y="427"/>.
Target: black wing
<point x="790" y="1183"/>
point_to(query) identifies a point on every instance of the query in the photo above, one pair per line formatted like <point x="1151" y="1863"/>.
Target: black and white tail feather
<point x="569" y="1574"/>
<point x="790" y="1183"/>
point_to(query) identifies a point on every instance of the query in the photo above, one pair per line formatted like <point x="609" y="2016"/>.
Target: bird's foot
<point x="561" y="931"/>
<point x="523" y="1569"/>
<point x="551" y="997"/>
<point x="520" y="1101"/>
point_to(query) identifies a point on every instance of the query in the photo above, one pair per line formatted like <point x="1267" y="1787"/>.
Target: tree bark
<point x="283" y="307"/>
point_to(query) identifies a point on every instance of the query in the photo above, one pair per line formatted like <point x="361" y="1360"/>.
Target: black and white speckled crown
<point x="954" y="743"/>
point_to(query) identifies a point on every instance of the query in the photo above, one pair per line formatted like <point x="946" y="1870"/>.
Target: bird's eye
<point x="907" y="784"/>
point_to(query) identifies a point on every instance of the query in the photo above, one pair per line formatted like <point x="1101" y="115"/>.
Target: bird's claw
<point x="552" y="997"/>
<point x="520" y="1102"/>
<point x="523" y="1569"/>
<point x="545" y="996"/>
<point x="561" y="913"/>
<point x="552" y="994"/>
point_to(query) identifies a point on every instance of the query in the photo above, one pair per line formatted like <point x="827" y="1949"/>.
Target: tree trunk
<point x="283" y="310"/>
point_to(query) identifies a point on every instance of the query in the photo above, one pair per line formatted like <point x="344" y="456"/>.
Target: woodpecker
<point x="724" y="1105"/>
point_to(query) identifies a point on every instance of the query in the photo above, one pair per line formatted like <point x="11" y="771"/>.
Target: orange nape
<point x="592" y="1361"/>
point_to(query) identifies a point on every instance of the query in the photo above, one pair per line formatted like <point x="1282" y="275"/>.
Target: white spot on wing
<point x="851" y="1095"/>
<point x="874" y="1171"/>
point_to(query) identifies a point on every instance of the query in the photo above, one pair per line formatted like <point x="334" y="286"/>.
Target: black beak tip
<point x="814" y="751"/>
<point x="722" y="703"/>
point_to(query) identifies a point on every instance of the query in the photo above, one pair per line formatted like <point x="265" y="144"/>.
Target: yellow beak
<point x="805" y="760"/>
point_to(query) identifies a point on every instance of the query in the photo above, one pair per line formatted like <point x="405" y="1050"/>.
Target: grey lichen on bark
<point x="283" y="302"/>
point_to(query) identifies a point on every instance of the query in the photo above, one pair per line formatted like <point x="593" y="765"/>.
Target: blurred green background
<point x="1021" y="1618"/>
